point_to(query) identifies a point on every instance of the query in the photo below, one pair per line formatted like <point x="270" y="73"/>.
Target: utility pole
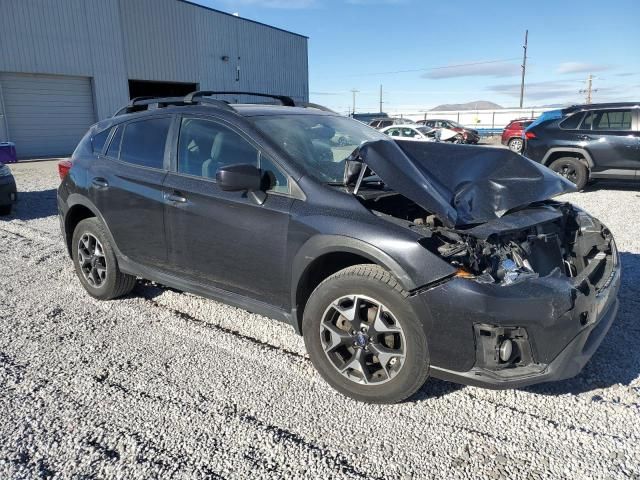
<point x="524" y="66"/>
<point x="380" y="98"/>
<point x="354" y="91"/>
<point x="589" y="90"/>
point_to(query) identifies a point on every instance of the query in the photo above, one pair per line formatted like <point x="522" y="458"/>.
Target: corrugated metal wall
<point x="112" y="41"/>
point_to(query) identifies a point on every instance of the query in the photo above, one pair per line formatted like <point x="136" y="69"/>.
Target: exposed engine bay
<point x="536" y="241"/>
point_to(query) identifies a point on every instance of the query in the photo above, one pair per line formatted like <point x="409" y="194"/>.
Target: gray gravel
<point x="164" y="384"/>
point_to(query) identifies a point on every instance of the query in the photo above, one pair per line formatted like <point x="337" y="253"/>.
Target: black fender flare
<point x="569" y="150"/>
<point x="321" y="245"/>
<point x="76" y="199"/>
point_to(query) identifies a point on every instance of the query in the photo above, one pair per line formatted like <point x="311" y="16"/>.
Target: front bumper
<point x="8" y="191"/>
<point x="565" y="326"/>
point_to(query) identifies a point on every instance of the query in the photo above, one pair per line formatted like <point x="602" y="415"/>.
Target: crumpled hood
<point x="461" y="184"/>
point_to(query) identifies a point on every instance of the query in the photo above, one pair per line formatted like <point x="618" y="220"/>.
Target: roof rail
<point x="314" y="105"/>
<point x="140" y="104"/>
<point x="191" y="98"/>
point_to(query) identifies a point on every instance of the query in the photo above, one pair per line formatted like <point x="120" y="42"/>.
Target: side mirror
<point x="244" y="177"/>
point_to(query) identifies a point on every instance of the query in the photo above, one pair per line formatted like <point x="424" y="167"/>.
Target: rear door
<point x="611" y="138"/>
<point x="225" y="239"/>
<point x="126" y="186"/>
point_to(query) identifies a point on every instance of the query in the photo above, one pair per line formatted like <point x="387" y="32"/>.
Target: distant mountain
<point x="479" y="105"/>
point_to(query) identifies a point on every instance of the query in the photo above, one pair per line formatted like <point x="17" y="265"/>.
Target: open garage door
<point x="46" y="115"/>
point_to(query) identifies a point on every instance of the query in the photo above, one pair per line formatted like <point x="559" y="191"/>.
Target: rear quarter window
<point x="572" y="122"/>
<point x="98" y="141"/>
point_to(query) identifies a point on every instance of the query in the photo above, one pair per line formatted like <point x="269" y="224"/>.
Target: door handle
<point x="584" y="137"/>
<point x="99" y="182"/>
<point x="174" y="198"/>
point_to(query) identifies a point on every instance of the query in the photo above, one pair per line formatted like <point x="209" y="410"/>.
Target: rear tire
<point x="572" y="169"/>
<point x="516" y="145"/>
<point x="5" y="210"/>
<point x="96" y="264"/>
<point x="390" y="359"/>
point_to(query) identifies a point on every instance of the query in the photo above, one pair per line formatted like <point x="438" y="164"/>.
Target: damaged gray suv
<point x="395" y="260"/>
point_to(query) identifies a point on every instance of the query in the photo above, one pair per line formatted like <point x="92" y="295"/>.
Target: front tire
<point x="5" y="210"/>
<point x="572" y="169"/>
<point x="95" y="262"/>
<point x="364" y="338"/>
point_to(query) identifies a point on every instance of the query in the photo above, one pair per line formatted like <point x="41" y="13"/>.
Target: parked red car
<point x="512" y="134"/>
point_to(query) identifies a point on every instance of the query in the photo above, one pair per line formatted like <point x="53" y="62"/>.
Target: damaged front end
<point x="535" y="288"/>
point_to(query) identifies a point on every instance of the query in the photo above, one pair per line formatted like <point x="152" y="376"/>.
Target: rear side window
<point x="98" y="141"/>
<point x="611" y="120"/>
<point x="143" y="142"/>
<point x="572" y="122"/>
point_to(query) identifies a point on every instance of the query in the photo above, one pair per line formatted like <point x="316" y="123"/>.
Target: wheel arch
<point x="81" y="208"/>
<point x="559" y="152"/>
<point x="324" y="255"/>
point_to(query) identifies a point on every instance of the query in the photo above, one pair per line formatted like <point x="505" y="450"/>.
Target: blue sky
<point x="356" y="43"/>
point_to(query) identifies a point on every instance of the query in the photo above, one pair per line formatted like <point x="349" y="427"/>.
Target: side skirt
<point x="207" y="291"/>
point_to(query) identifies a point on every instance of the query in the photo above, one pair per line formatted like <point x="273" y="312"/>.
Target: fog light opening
<point x="505" y="350"/>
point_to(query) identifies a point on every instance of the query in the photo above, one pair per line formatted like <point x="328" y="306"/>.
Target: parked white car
<point x="423" y="133"/>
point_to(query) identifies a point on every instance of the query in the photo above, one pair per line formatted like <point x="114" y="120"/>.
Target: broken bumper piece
<point x="540" y="330"/>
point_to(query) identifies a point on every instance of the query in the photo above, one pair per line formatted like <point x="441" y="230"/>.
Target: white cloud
<point x="497" y="69"/>
<point x="580" y="67"/>
<point x="538" y="90"/>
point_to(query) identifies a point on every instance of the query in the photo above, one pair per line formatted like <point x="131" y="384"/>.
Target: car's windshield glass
<point x="320" y="143"/>
<point x="455" y="124"/>
<point x="424" y="130"/>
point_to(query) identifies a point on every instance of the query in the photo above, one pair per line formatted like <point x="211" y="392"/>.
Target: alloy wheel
<point x="362" y="339"/>
<point x="568" y="171"/>
<point x="92" y="260"/>
<point x="516" y="145"/>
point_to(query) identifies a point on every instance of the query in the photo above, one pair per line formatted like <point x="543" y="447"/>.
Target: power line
<point x="436" y="68"/>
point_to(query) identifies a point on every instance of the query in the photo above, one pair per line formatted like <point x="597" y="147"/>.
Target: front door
<point x="126" y="186"/>
<point x="225" y="239"/>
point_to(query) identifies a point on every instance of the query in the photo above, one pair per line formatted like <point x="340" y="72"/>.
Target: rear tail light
<point x="529" y="135"/>
<point x="63" y="168"/>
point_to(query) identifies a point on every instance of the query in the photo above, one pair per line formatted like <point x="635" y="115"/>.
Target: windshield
<point x="424" y="130"/>
<point x="454" y="124"/>
<point x="319" y="143"/>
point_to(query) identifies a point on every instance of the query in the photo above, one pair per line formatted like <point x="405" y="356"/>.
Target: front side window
<point x="611" y="120"/>
<point x="143" y="142"/>
<point x="394" y="132"/>
<point x="307" y="141"/>
<point x="206" y="145"/>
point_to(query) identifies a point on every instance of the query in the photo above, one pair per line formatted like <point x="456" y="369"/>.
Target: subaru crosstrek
<point x="395" y="260"/>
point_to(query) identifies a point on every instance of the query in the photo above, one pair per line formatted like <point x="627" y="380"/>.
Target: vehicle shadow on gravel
<point x="617" y="360"/>
<point x="616" y="185"/>
<point x="34" y="205"/>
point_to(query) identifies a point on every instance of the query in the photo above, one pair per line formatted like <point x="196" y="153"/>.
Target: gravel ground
<point x="164" y="384"/>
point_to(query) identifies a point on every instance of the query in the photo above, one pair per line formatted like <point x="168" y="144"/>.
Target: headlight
<point x="4" y="170"/>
